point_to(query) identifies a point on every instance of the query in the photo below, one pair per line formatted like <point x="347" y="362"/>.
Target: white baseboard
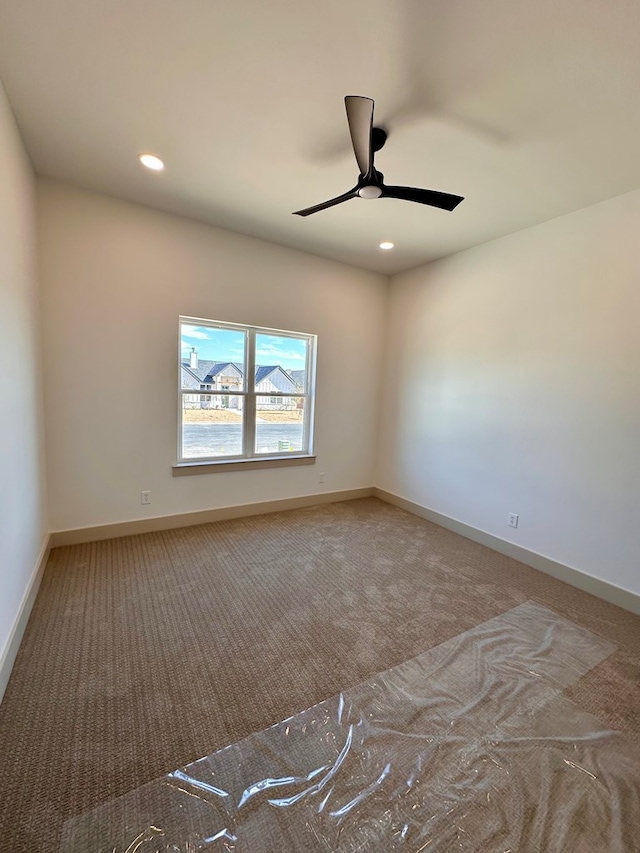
<point x="602" y="589"/>
<point x="10" y="651"/>
<point x="187" y="519"/>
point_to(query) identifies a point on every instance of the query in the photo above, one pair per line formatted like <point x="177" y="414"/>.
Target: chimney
<point x="193" y="358"/>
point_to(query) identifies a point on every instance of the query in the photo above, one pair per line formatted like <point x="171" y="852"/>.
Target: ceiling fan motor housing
<point x="378" y="138"/>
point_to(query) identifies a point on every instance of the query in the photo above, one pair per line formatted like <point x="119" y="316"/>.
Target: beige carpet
<point x="147" y="652"/>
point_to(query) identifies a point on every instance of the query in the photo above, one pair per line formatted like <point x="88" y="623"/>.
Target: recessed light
<point x="151" y="161"/>
<point x="387" y="245"/>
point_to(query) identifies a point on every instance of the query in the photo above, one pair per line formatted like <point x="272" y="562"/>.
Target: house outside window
<point x="234" y="419"/>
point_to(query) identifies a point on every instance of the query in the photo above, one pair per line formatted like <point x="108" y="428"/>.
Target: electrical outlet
<point x="145" y="498"/>
<point x="321" y="477"/>
<point x="513" y="519"/>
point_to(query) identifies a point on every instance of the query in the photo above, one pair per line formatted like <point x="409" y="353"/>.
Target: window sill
<point x="220" y="466"/>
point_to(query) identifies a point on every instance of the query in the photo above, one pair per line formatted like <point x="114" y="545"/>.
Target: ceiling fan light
<point x="151" y="161"/>
<point x="370" y="191"/>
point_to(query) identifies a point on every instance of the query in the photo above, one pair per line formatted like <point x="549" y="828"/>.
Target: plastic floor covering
<point x="468" y="747"/>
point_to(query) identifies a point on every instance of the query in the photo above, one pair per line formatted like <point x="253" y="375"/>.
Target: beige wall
<point x="115" y="278"/>
<point x="519" y="363"/>
<point x="22" y="489"/>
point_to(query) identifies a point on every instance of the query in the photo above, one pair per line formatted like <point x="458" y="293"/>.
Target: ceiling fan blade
<point x="338" y="200"/>
<point x="360" y="118"/>
<point x="445" y="201"/>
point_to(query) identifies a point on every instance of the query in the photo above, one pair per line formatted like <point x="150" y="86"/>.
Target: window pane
<point x="281" y="364"/>
<point x="211" y="425"/>
<point x="212" y="358"/>
<point x="280" y="424"/>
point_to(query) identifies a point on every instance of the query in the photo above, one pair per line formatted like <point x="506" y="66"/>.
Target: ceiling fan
<point x="366" y="140"/>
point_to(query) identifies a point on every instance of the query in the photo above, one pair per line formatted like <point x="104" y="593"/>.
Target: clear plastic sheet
<point x="467" y="747"/>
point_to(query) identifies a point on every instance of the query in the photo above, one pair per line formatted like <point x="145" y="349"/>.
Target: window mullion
<point x="249" y="436"/>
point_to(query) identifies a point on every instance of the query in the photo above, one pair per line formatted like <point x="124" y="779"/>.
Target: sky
<point x="227" y="345"/>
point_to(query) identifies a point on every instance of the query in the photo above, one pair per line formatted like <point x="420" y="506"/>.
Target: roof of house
<point x="263" y="371"/>
<point x="298" y="376"/>
<point x="206" y="370"/>
<point x="267" y="372"/>
<point x="189" y="379"/>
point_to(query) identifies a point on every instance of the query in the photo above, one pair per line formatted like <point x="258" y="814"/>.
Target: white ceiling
<point x="528" y="108"/>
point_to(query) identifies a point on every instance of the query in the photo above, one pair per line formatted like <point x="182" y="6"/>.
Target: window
<point x="267" y="378"/>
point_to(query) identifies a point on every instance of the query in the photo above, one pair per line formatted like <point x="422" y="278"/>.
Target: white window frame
<point x="249" y="394"/>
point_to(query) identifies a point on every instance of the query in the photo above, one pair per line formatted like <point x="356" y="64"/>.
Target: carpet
<point x="147" y="652"/>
